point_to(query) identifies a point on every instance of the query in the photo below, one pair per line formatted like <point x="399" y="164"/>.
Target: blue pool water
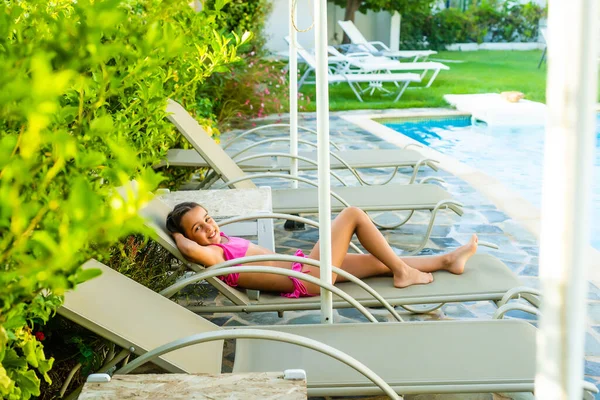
<point x="513" y="155"/>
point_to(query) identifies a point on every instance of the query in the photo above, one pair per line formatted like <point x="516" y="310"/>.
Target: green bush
<point x="83" y="90"/>
<point x="254" y="87"/>
<point x="493" y="21"/>
<point x="243" y="16"/>
<point x="451" y="25"/>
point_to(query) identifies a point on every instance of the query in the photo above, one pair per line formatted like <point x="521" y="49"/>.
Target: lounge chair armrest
<point x="423" y="162"/>
<point x="272" y="140"/>
<point x="358" y="54"/>
<point x="431" y="179"/>
<point x="289" y="217"/>
<point x="228" y="267"/>
<point x="488" y="244"/>
<point x="283" y="176"/>
<point x="501" y="311"/>
<point x="528" y="293"/>
<point x="213" y="272"/>
<point x="262" y="334"/>
<point x="259" y="128"/>
<point x="417" y="145"/>
<point x="380" y="44"/>
<point x="286" y="155"/>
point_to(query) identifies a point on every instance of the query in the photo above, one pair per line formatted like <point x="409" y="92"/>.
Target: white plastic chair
<point x="357" y="38"/>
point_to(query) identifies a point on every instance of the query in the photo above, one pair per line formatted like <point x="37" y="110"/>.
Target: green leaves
<point x="82" y="111"/>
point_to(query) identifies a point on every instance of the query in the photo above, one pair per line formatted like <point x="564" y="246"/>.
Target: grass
<point x="470" y="72"/>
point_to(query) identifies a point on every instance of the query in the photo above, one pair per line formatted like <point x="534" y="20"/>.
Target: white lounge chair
<point x="368" y="63"/>
<point x="374" y="80"/>
<point x="357" y="38"/>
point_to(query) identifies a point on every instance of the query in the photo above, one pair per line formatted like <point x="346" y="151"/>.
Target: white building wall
<point x="375" y="26"/>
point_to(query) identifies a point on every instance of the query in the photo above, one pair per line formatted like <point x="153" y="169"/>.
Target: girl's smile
<point x="200" y="227"/>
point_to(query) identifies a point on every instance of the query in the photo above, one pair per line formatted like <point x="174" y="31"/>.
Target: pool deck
<point x="507" y="200"/>
<point x="492" y="211"/>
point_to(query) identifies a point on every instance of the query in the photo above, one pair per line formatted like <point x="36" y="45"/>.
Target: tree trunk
<point x="352" y="7"/>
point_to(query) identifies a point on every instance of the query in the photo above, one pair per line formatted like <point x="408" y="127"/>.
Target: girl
<point x="199" y="239"/>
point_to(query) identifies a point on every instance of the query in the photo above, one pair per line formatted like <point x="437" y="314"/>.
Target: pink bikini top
<point x="235" y="247"/>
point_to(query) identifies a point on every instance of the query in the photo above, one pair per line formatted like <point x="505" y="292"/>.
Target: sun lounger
<point x="485" y="279"/>
<point x="249" y="159"/>
<point x="354" y="79"/>
<point x="352" y="160"/>
<point x="357" y="38"/>
<point x="391" y="197"/>
<point x="449" y="357"/>
<point x="372" y="64"/>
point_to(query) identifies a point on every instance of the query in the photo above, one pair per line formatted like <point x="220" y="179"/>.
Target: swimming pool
<point x="513" y="155"/>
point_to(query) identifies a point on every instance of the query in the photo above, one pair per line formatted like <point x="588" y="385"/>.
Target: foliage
<point x="75" y="348"/>
<point x="402" y="6"/>
<point x="244" y="16"/>
<point x="252" y="90"/>
<point x="146" y="262"/>
<point x="82" y="110"/>
<point x="254" y="87"/>
<point x="423" y="26"/>
<point x="450" y="26"/>
<point x="507" y="21"/>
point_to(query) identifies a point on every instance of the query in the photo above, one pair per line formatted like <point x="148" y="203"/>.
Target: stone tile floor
<point x="518" y="248"/>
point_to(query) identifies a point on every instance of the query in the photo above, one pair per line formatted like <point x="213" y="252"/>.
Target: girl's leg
<point x="353" y="220"/>
<point x="365" y="265"/>
<point x="452" y="262"/>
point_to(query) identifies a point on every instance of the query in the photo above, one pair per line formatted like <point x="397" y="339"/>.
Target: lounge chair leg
<point x="354" y="90"/>
<point x="588" y="396"/>
<point x="543" y="57"/>
<point x="435" y="74"/>
<point x="393" y="226"/>
<point x="280" y="314"/>
<point x="443" y="204"/>
<point x="294" y="225"/>
<point x="401" y="91"/>
<point x="209" y="180"/>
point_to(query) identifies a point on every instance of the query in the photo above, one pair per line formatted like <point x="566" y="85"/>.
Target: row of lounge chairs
<point x="340" y="359"/>
<point x="371" y="66"/>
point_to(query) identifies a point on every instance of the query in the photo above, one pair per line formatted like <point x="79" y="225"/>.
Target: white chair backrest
<point x="356" y="37"/>
<point x="210" y="151"/>
<point x="305" y="54"/>
<point x="334" y="52"/>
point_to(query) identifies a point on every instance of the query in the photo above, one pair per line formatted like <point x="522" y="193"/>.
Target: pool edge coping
<point x="504" y="198"/>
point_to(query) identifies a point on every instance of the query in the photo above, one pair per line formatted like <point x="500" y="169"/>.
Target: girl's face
<point x="200" y="227"/>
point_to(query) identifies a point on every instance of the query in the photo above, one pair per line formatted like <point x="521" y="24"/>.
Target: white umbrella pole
<point x="323" y="155"/>
<point x="293" y="71"/>
<point x="568" y="165"/>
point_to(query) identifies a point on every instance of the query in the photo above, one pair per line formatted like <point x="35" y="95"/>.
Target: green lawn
<point x="477" y="72"/>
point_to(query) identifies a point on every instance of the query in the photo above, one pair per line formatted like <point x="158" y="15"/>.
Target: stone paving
<point x="518" y="248"/>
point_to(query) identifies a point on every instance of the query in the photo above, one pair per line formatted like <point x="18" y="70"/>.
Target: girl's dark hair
<point x="175" y="216"/>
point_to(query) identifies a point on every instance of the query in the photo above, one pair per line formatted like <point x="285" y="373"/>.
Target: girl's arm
<point x="205" y="255"/>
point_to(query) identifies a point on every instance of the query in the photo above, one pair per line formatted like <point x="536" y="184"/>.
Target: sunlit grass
<point x="470" y="72"/>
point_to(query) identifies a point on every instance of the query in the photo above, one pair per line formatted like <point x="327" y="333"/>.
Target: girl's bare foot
<point x="411" y="276"/>
<point x="458" y="258"/>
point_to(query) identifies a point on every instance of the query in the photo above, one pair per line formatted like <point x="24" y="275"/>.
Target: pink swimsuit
<point x="237" y="247"/>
